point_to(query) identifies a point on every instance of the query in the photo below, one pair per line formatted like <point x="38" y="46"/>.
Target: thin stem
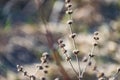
<point x="89" y="58"/>
<point x="72" y="65"/>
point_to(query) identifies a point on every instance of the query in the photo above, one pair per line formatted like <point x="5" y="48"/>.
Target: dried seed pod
<point x="95" y="44"/>
<point x="85" y="59"/>
<point x="32" y="77"/>
<point x="20" y="69"/>
<point x="76" y="52"/>
<point x="25" y="73"/>
<point x="68" y="58"/>
<point x="64" y="51"/>
<point x="96" y="38"/>
<point x="45" y="54"/>
<point x="68" y="5"/>
<point x="118" y="70"/>
<point x="46" y="66"/>
<point x="67" y="1"/>
<point x="62" y="45"/>
<point x="73" y="35"/>
<point x="100" y="75"/>
<point x="45" y="71"/>
<point x="69" y="21"/>
<point x="94" y="68"/>
<point x="69" y="11"/>
<point x="43" y="60"/>
<point x="60" y="41"/>
<point x="90" y="63"/>
<point x="40" y="67"/>
<point x="91" y="55"/>
<point x="96" y="33"/>
<point x="43" y="78"/>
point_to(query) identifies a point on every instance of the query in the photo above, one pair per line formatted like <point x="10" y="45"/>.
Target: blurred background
<point x="30" y="27"/>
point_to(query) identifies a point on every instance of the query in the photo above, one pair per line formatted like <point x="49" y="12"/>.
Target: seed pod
<point x="64" y="51"/>
<point x="76" y="52"/>
<point x="85" y="59"/>
<point x="96" y="33"/>
<point x="60" y="41"/>
<point x="67" y="1"/>
<point x="40" y="67"/>
<point x="90" y="63"/>
<point x="68" y="5"/>
<point x="32" y="77"/>
<point x="43" y="78"/>
<point x="96" y="38"/>
<point x="73" y="35"/>
<point x="62" y="45"/>
<point x="118" y="69"/>
<point x="68" y="58"/>
<point x="95" y="44"/>
<point x="100" y="75"/>
<point x="25" y="73"/>
<point x="70" y="22"/>
<point x="91" y="55"/>
<point x="45" y="71"/>
<point x="69" y="11"/>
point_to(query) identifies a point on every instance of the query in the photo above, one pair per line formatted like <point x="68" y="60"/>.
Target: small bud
<point x="69" y="11"/>
<point x="60" y="41"/>
<point x="76" y="52"/>
<point x="73" y="35"/>
<point x="68" y="5"/>
<point x="68" y="58"/>
<point x="69" y="21"/>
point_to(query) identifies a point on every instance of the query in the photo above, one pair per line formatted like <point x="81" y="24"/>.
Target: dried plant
<point x="41" y="66"/>
<point x="88" y="59"/>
